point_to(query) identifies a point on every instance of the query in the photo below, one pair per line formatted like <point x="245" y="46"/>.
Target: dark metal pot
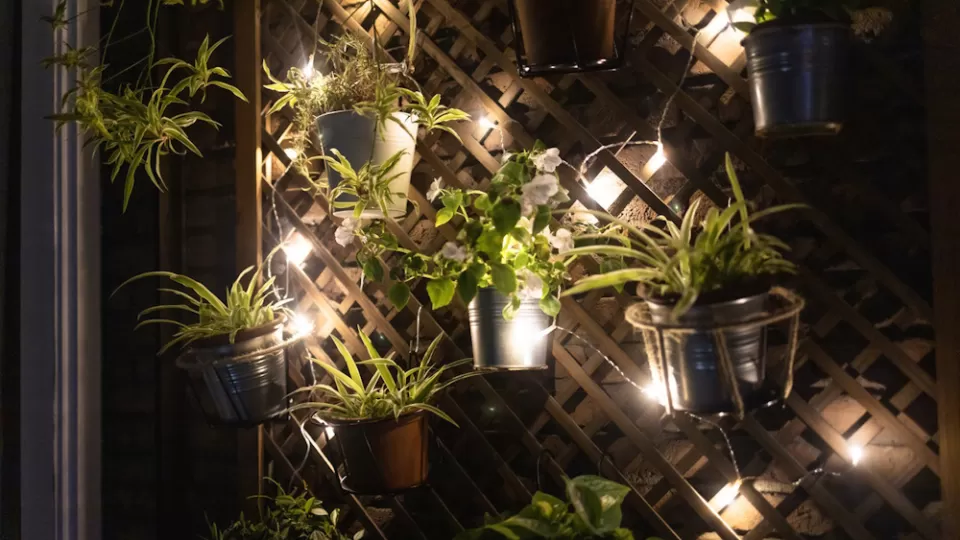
<point x="383" y="456"/>
<point x="567" y="36"/>
<point x="694" y="378"/>
<point x="499" y="344"/>
<point x="798" y="77"/>
<point x="243" y="392"/>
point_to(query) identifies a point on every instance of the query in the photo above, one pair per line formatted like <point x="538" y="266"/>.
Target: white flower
<point x="454" y="252"/>
<point x="541" y="189"/>
<point x="548" y="160"/>
<point x="562" y="241"/>
<point x="346" y="231"/>
<point x="434" y="190"/>
<point x="530" y="285"/>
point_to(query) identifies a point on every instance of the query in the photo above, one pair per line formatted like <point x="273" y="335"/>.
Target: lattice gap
<point x="860" y="379"/>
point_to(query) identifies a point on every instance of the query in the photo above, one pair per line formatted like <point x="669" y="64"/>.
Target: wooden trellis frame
<point x="462" y="63"/>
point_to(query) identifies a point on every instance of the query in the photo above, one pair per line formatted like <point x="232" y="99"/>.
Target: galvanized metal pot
<point x="355" y="136"/>
<point x="694" y="377"/>
<point x="383" y="456"/>
<point x="798" y="77"/>
<point x="567" y="36"/>
<point x="499" y="344"/>
<point x="243" y="392"/>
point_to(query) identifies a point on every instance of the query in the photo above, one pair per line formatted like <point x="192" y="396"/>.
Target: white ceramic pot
<point x="355" y="136"/>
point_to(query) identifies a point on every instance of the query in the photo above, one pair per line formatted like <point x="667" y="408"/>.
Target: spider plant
<point x="680" y="263"/>
<point x="368" y="186"/>
<point x="246" y="306"/>
<point x="390" y="392"/>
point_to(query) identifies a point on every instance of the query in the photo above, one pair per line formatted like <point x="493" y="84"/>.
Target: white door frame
<point x="60" y="293"/>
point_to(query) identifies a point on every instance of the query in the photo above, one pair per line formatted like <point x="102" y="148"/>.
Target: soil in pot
<point x="499" y="344"/>
<point x="567" y="33"/>
<point x="694" y="375"/>
<point x="240" y="392"/>
<point x="383" y="456"/>
<point x="798" y="77"/>
<point x="356" y="137"/>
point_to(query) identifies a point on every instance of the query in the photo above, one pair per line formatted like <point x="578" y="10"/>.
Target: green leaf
<point x="601" y="500"/>
<point x="441" y="292"/>
<point x="467" y="285"/>
<point x="550" y="305"/>
<point x="399" y="294"/>
<point x="744" y="26"/>
<point x="444" y="215"/>
<point x="504" y="278"/>
<point x="491" y="243"/>
<point x="373" y="270"/>
<point x="542" y="219"/>
<point x="482" y="203"/>
<point x="505" y="214"/>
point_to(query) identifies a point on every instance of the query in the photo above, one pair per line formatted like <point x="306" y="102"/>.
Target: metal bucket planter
<point x="382" y="456"/>
<point x="499" y="344"/>
<point x="244" y="383"/>
<point x="356" y="137"/>
<point x="798" y="77"/>
<point x="568" y="36"/>
<point x="713" y="360"/>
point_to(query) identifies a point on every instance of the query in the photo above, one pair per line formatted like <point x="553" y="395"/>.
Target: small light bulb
<point x="291" y="153"/>
<point x="605" y="188"/>
<point x="297" y="249"/>
<point x="486" y="123"/>
<point x="657" y="160"/>
<point x="301" y="324"/>
<point x="726" y="496"/>
<point x="656" y="392"/>
<point x="856" y="454"/>
<point x="308" y="69"/>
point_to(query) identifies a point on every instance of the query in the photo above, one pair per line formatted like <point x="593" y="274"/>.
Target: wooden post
<point x="942" y="64"/>
<point x="246" y="37"/>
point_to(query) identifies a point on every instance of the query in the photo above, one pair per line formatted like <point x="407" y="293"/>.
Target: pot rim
<point x="354" y="112"/>
<point x="728" y="295"/>
<point x="223" y="340"/>
<point x="404" y="419"/>
<point x="779" y="25"/>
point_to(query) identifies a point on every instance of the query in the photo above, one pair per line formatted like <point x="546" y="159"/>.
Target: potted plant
<point x="797" y="53"/>
<point x="591" y="511"/>
<point x="286" y="516"/>
<point x="380" y="424"/>
<point x="506" y="264"/>
<point x="567" y="36"/>
<point x="234" y="350"/>
<point x="365" y="118"/>
<point x="696" y="278"/>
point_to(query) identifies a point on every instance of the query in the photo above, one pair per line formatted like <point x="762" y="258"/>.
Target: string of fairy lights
<point x="298" y="248"/>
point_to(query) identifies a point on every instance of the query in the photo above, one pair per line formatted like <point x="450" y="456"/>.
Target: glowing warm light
<point x="605" y="188"/>
<point x="297" y="249"/>
<point x="656" y="392"/>
<point x="301" y="324"/>
<point x="308" y="69"/>
<point x="524" y="336"/>
<point x="856" y="454"/>
<point x="291" y="153"/>
<point x="657" y="160"/>
<point x="486" y="123"/>
<point x="726" y="496"/>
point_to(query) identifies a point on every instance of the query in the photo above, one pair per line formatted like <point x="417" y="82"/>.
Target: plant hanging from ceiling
<point x="137" y="125"/>
<point x="364" y="111"/>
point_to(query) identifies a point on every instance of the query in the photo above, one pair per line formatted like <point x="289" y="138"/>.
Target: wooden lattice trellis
<point x="584" y="415"/>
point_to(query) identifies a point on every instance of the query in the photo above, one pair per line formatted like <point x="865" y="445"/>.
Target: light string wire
<point x="819" y="471"/>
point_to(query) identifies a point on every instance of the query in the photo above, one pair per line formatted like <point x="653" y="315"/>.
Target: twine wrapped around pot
<point x="662" y="340"/>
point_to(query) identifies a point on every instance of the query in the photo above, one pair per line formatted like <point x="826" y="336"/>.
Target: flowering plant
<point x="504" y="239"/>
